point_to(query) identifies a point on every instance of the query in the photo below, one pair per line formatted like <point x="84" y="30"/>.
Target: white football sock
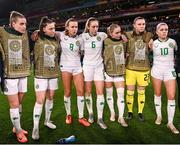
<point x="20" y="110"/>
<point x="171" y="110"/>
<point x="80" y="104"/>
<point x="110" y="100"/>
<point x="48" y="109"/>
<point x="37" y="114"/>
<point x="120" y="101"/>
<point x="89" y="103"/>
<point x="157" y="102"/>
<point x="67" y="104"/>
<point x="15" y="119"/>
<point x="100" y="106"/>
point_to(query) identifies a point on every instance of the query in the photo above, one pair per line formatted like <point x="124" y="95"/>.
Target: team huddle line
<point x="113" y="59"/>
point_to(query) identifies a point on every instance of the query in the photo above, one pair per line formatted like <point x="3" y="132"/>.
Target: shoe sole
<point x="91" y="121"/>
<point x="123" y="125"/>
<point x="112" y="120"/>
<point x="172" y="130"/>
<point x="85" y="124"/>
<point x="101" y="126"/>
<point x="50" y="127"/>
<point x="141" y="120"/>
<point x="129" y="118"/>
<point x="68" y="122"/>
<point x="22" y="141"/>
<point x="34" y="138"/>
<point x="157" y="123"/>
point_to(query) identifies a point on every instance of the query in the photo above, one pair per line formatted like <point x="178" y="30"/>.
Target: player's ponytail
<point x="111" y="28"/>
<point x="88" y="22"/>
<point x="14" y="15"/>
<point x="67" y="24"/>
<point x="43" y="23"/>
<point x="138" y="18"/>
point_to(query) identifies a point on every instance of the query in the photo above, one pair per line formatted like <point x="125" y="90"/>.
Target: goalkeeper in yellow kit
<point x="137" y="67"/>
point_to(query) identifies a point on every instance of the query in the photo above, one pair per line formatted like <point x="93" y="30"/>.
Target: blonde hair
<point x="111" y="28"/>
<point x="160" y="24"/>
<point x="14" y="15"/>
<point x="88" y="22"/>
<point x="67" y="24"/>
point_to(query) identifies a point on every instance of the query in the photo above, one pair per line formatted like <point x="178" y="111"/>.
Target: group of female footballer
<point x="114" y="58"/>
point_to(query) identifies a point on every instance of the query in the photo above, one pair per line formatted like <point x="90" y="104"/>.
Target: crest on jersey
<point x="119" y="54"/>
<point x="49" y="50"/>
<point x="155" y="45"/>
<point x="98" y="38"/>
<point x="15" y="45"/>
<point x="65" y="38"/>
<point x="49" y="55"/>
<point x="171" y="45"/>
<point x="118" y="49"/>
<point x="87" y="38"/>
<point x="77" y="43"/>
<point x="140" y="49"/>
<point x="140" y="44"/>
<point x="37" y="86"/>
<point x="15" y="51"/>
<point x="5" y="89"/>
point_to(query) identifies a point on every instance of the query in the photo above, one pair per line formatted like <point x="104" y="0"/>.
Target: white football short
<point x="45" y="84"/>
<point x="13" y="86"/>
<point x="163" y="73"/>
<point x="93" y="72"/>
<point x="73" y="70"/>
<point x="113" y="79"/>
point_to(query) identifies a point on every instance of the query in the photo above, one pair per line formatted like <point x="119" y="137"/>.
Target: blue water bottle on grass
<point x="67" y="140"/>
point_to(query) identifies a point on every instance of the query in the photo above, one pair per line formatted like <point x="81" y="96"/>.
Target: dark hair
<point x="88" y="22"/>
<point x="14" y="15"/>
<point x="138" y="18"/>
<point x="67" y="24"/>
<point x="43" y="23"/>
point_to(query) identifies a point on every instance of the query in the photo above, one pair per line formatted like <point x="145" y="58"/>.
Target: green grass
<point x="137" y="132"/>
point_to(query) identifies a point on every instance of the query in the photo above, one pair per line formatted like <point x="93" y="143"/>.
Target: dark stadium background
<point x="107" y="11"/>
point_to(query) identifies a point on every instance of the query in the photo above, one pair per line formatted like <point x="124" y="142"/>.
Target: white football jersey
<point x="163" y="52"/>
<point x="92" y="46"/>
<point x="70" y="56"/>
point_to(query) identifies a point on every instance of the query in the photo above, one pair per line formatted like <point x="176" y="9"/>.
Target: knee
<point x="14" y="105"/>
<point x="50" y="97"/>
<point x="141" y="92"/>
<point x="158" y="94"/>
<point x="80" y="92"/>
<point x="171" y="97"/>
<point x="99" y="92"/>
<point x="130" y="93"/>
<point x="40" y="100"/>
<point x="67" y="93"/>
<point x="88" y="94"/>
<point x="88" y="91"/>
<point x="21" y="94"/>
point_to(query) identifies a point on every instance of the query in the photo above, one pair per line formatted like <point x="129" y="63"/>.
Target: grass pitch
<point x="137" y="132"/>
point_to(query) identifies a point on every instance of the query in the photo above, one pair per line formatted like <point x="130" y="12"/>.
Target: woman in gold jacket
<point x="114" y="62"/>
